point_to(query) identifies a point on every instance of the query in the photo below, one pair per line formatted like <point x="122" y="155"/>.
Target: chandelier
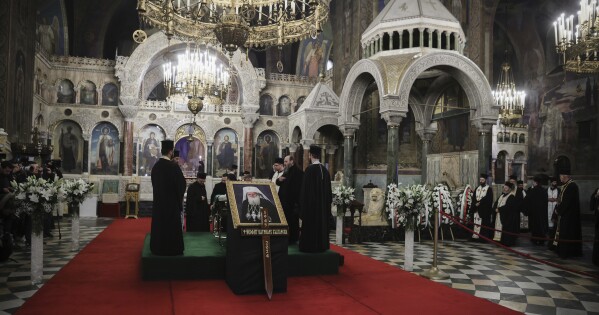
<point x="237" y="23"/>
<point x="508" y="97"/>
<point x="578" y="43"/>
<point x="197" y="74"/>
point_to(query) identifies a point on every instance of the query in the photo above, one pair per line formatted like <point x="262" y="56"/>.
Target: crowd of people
<point x="15" y="228"/>
<point x="554" y="213"/>
<point x="304" y="196"/>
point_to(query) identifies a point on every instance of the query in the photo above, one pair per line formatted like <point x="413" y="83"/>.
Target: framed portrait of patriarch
<point x="246" y="200"/>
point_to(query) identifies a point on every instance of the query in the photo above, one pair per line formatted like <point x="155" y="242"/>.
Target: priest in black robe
<point x="168" y="184"/>
<point x="196" y="206"/>
<point x="219" y="189"/>
<point x="595" y="208"/>
<point x="290" y="185"/>
<point x="519" y="194"/>
<point x="315" y="206"/>
<point x="509" y="215"/>
<point x="568" y="212"/>
<point x="483" y="204"/>
<point x="535" y="205"/>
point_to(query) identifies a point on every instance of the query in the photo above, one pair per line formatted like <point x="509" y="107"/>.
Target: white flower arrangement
<point x="464" y="203"/>
<point x="343" y="195"/>
<point x="406" y="206"/>
<point x="76" y="190"/>
<point x="35" y="197"/>
<point x="440" y="202"/>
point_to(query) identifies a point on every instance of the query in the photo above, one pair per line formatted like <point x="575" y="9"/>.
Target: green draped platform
<point x="204" y="258"/>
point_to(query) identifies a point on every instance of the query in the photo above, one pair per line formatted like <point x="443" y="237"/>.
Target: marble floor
<point x="482" y="270"/>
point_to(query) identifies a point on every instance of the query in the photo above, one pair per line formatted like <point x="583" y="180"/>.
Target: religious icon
<point x="105" y="149"/>
<point x="247" y="200"/>
<point x="267" y="150"/>
<point x="110" y="95"/>
<point x="225" y="144"/>
<point x="152" y="135"/>
<point x="70" y="149"/>
<point x="284" y="106"/>
<point x="265" y="105"/>
<point x="87" y="93"/>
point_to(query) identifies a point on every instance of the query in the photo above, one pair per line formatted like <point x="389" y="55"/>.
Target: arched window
<point x="88" y="93"/>
<point x="66" y="92"/>
<point x="522" y="138"/>
<point x="499" y="137"/>
<point x="514" y="138"/>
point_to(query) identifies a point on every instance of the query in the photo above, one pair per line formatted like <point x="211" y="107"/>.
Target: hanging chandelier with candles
<point x="577" y="42"/>
<point x="237" y="23"/>
<point x="508" y="97"/>
<point x="197" y="73"/>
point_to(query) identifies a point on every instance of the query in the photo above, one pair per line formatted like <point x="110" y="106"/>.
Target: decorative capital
<point x="249" y="119"/>
<point x="306" y="143"/>
<point x="393" y="118"/>
<point x="427" y="134"/>
<point x="129" y="111"/>
<point x="349" y="129"/>
<point x="484" y="124"/>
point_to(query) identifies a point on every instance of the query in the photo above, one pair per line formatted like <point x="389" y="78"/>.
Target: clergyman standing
<point x="290" y="185"/>
<point x="315" y="205"/>
<point x="483" y="204"/>
<point x="168" y="184"/>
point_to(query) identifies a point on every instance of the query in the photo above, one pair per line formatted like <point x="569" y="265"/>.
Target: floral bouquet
<point x="76" y="190"/>
<point x="342" y="197"/>
<point x="406" y="205"/>
<point x="35" y="197"/>
<point x="440" y="202"/>
<point x="464" y="203"/>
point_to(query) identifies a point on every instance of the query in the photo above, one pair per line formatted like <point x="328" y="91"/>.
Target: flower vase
<point x="339" y="226"/>
<point x="408" y="264"/>
<point x="74" y="210"/>
<point x="37" y="247"/>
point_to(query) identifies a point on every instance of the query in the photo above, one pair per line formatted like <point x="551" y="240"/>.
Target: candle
<point x="555" y="31"/>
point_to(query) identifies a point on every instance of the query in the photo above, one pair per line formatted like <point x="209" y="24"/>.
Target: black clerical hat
<point x="509" y="184"/>
<point x="231" y="177"/>
<point x="233" y="166"/>
<point x="315" y="151"/>
<point x="279" y="161"/>
<point x="537" y="178"/>
<point x="553" y="179"/>
<point x="513" y="177"/>
<point x="520" y="182"/>
<point x="167" y="145"/>
<point x="483" y="175"/>
<point x="565" y="171"/>
<point x="202" y="175"/>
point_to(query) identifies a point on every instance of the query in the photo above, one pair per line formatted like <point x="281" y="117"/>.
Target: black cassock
<point x="196" y="209"/>
<point x="485" y="210"/>
<point x="168" y="185"/>
<point x="289" y="191"/>
<point x="595" y="208"/>
<point x="315" y="209"/>
<point x="510" y="220"/>
<point x="568" y="210"/>
<point x="219" y="189"/>
<point x="535" y="205"/>
<point x="519" y="204"/>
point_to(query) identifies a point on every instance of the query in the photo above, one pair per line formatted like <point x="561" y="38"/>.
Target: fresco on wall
<point x="104" y="149"/>
<point x="52" y="27"/>
<point x="87" y="93"/>
<point x="68" y="144"/>
<point x="284" y="106"/>
<point x="190" y="155"/>
<point x="565" y="123"/>
<point x="265" y="105"/>
<point x="267" y="149"/>
<point x="312" y="56"/>
<point x="110" y="94"/>
<point x="149" y="151"/>
<point x="66" y="92"/>
<point x="225" y="150"/>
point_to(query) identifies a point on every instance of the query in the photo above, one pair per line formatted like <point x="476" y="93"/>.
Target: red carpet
<point x="105" y="279"/>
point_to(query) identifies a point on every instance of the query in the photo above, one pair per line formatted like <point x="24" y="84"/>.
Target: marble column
<point x="393" y="120"/>
<point x="348" y="157"/>
<point x="129" y="112"/>
<point x="331" y="160"/>
<point x="485" y="142"/>
<point x="306" y="145"/>
<point x="426" y="135"/>
<point x="248" y="120"/>
<point x="208" y="170"/>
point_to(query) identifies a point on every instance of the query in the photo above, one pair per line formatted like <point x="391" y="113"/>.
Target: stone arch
<point x="357" y="81"/>
<point x="469" y="76"/>
<point x="313" y="127"/>
<point x="131" y="73"/>
<point x="296" y="134"/>
<point x="88" y="92"/>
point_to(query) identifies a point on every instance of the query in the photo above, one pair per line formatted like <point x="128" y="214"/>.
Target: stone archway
<point x="395" y="74"/>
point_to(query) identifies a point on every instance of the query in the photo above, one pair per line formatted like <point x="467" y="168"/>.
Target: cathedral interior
<point x="392" y="91"/>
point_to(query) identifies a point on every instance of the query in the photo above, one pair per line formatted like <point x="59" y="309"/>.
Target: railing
<point x="155" y="105"/>
<point x="179" y="107"/>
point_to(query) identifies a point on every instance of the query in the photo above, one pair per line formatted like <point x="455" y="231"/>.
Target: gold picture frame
<point x="239" y="203"/>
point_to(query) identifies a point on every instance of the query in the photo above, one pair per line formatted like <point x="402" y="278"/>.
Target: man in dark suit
<point x="168" y="184"/>
<point x="290" y="185"/>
